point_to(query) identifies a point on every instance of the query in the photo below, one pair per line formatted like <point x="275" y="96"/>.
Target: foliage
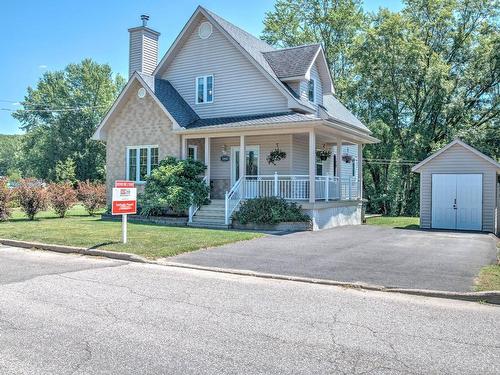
<point x="62" y="197"/>
<point x="32" y="197"/>
<point x="6" y="197"/>
<point x="173" y="186"/>
<point x="10" y="146"/>
<point x="323" y="154"/>
<point x="489" y="278"/>
<point x="66" y="171"/>
<point x="270" y="210"/>
<point x="395" y="222"/>
<point x="88" y="89"/>
<point x="276" y="155"/>
<point x="418" y="78"/>
<point x="92" y="195"/>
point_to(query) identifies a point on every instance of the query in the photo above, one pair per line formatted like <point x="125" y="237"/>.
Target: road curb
<point x="76" y="250"/>
<point x="492" y="297"/>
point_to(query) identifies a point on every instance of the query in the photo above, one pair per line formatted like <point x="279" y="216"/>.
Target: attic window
<point x="312" y="90"/>
<point x="205" y="30"/>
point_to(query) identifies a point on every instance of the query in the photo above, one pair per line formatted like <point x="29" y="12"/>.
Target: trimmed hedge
<point x="270" y="210"/>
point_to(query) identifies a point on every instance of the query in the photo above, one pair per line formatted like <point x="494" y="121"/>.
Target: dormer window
<point x="312" y="90"/>
<point x="204" y="89"/>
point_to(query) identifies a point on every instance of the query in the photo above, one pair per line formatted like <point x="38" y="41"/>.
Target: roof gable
<point x="170" y="102"/>
<point x="250" y="46"/>
<point x="458" y="142"/>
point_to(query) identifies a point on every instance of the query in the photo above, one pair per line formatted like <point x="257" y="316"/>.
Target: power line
<point x="74" y="109"/>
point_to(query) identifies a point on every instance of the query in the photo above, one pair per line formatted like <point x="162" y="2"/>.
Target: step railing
<point x="232" y="199"/>
<point x="194" y="208"/>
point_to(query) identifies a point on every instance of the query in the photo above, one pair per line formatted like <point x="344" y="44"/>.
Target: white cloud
<point x="42" y="66"/>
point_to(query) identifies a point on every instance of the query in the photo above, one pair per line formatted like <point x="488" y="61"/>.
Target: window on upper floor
<point x="141" y="160"/>
<point x="205" y="89"/>
<point x="312" y="90"/>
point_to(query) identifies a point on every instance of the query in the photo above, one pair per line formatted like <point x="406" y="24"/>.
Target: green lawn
<point x="489" y="278"/>
<point x="405" y="222"/>
<point x="79" y="229"/>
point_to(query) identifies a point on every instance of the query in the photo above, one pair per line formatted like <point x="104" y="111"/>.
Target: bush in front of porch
<point x="269" y="210"/>
<point x="172" y="187"/>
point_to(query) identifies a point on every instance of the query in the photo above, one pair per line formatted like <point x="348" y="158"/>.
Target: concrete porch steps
<point x="211" y="216"/>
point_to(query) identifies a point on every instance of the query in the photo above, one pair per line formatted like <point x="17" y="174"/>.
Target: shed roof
<point x="417" y="168"/>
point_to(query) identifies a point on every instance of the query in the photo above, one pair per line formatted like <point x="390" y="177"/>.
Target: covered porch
<point x="320" y="164"/>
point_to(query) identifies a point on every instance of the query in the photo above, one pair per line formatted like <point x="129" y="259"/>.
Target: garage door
<point x="457" y="201"/>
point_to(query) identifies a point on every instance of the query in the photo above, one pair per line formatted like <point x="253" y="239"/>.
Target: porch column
<point x="360" y="171"/>
<point x="207" y="160"/>
<point x="338" y="172"/>
<point x="183" y="147"/>
<point x="243" y="161"/>
<point x="312" y="166"/>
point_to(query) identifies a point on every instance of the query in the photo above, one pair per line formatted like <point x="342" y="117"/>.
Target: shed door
<point x="457" y="201"/>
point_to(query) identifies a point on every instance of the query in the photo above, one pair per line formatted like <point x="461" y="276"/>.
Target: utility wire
<point x="75" y="109"/>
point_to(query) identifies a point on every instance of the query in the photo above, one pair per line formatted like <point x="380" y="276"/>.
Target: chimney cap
<point x="144" y="19"/>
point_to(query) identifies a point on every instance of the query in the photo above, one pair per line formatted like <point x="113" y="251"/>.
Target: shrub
<point x="92" y="195"/>
<point x="6" y="198"/>
<point x="62" y="197"/>
<point x="269" y="210"/>
<point x="173" y="186"/>
<point x="32" y="196"/>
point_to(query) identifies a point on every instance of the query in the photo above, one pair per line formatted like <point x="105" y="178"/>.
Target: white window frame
<point x="195" y="151"/>
<point x="313" y="82"/>
<point x="205" y="89"/>
<point x="137" y="177"/>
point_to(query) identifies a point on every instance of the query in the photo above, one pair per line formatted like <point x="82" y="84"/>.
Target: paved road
<point x="370" y="254"/>
<point x="67" y="314"/>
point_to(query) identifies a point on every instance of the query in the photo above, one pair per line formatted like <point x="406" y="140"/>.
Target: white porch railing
<point x="290" y="187"/>
<point x="233" y="199"/>
<point x="194" y="208"/>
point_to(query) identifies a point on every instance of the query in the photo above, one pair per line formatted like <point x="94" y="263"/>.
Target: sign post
<point x="124" y="203"/>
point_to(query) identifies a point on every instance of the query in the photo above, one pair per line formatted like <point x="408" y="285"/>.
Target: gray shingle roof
<point x="337" y="111"/>
<point x="174" y="103"/>
<point x="292" y="62"/>
<point x="239" y="121"/>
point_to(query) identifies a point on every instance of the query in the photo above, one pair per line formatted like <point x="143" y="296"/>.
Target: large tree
<point x="9" y="154"/>
<point x="61" y="114"/>
<point x="419" y="78"/>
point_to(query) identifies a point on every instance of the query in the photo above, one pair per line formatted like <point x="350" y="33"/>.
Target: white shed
<point x="459" y="189"/>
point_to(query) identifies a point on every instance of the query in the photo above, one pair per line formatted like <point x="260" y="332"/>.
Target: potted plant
<point x="323" y="154"/>
<point x="347" y="158"/>
<point x="276" y="155"/>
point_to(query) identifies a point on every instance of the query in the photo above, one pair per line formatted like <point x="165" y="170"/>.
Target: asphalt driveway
<point x="370" y="254"/>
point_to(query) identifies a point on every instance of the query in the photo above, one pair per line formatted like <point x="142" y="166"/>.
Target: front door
<point x="457" y="201"/>
<point x="251" y="160"/>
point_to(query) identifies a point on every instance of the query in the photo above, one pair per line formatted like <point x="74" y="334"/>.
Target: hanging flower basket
<point x="323" y="154"/>
<point x="347" y="158"/>
<point x="276" y="155"/>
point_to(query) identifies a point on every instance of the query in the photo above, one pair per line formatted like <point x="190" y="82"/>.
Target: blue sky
<point x="49" y="34"/>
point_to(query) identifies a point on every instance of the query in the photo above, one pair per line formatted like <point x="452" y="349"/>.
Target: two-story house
<point x="228" y="99"/>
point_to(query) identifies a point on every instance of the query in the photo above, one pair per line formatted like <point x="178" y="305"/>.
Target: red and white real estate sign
<point x="124" y="198"/>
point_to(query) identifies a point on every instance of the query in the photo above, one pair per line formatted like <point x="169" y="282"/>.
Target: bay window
<point x="141" y="160"/>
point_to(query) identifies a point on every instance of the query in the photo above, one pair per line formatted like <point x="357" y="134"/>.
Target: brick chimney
<point x="143" y="53"/>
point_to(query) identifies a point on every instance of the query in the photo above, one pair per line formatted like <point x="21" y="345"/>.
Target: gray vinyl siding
<point x="143" y="56"/>
<point x="300" y="154"/>
<point x="239" y="87"/>
<point x="222" y="170"/>
<point x="458" y="160"/>
<point x="302" y="87"/>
